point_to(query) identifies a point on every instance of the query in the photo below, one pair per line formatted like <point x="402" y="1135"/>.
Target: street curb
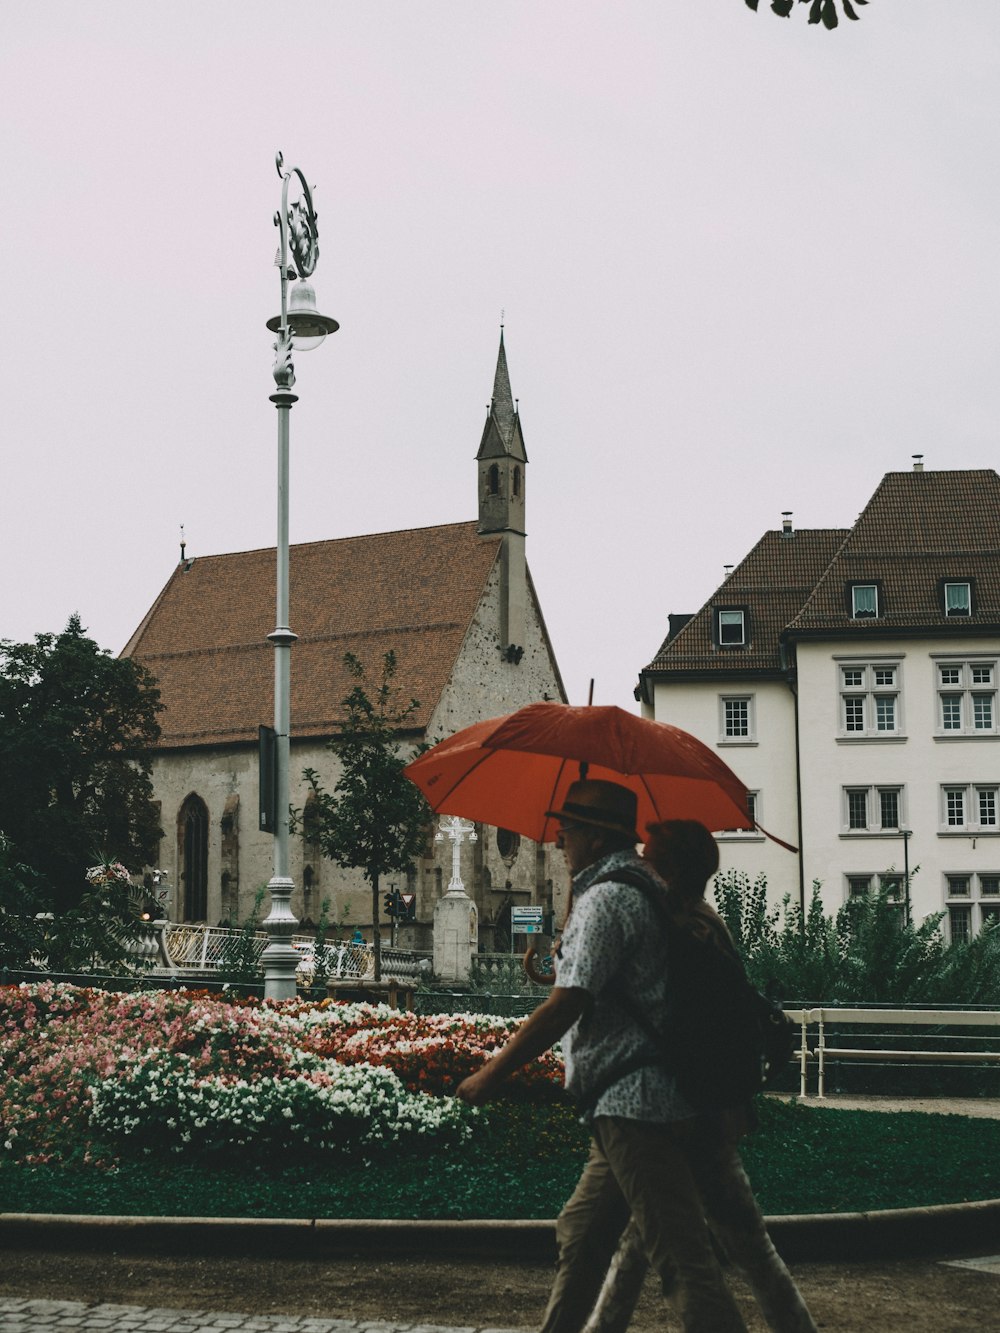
<point x="823" y="1237"/>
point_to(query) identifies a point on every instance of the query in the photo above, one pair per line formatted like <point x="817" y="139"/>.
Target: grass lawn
<point x="523" y="1163"/>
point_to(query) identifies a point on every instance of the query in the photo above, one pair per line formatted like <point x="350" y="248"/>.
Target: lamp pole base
<point x="280" y="958"/>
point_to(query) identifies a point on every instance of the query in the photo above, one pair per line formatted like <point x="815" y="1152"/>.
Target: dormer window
<point x="958" y="599"/>
<point x="864" y="601"/>
<point x="731" y="628"/>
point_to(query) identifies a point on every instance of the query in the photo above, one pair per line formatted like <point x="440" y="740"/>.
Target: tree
<point x="76" y="731"/>
<point x="375" y="819"/>
<point x="820" y="11"/>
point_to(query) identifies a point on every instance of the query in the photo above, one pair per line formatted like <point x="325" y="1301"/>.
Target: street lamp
<point x="302" y="327"/>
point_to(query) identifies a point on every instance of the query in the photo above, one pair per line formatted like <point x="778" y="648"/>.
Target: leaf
<point x="751" y="4"/>
<point x="830" y="19"/>
<point x="782" y="7"/>
<point x="815" y="11"/>
<point x="849" y="9"/>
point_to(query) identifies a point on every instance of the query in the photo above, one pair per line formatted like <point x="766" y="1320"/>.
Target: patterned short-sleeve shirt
<point x="612" y="936"/>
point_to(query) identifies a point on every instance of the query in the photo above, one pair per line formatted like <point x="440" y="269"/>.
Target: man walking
<point x="641" y="1126"/>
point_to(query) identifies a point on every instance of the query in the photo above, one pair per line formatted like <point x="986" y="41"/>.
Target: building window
<point x="958" y="599"/>
<point x="517" y="481"/>
<point x="864" y="601"/>
<point x="890" y="884"/>
<point x="493" y="480"/>
<point x="192" y="840"/>
<point x="869" y="699"/>
<point x="753" y="810"/>
<point x="508" y="845"/>
<point x="967" y="703"/>
<point x="960" y="924"/>
<point x="970" y="809"/>
<point x="971" y="899"/>
<point x="872" y="809"/>
<point x="889" y="806"/>
<point x="736" y="719"/>
<point x="731" y="628"/>
<point x="857" y="808"/>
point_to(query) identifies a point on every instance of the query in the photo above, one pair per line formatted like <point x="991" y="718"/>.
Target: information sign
<point x="526" y="920"/>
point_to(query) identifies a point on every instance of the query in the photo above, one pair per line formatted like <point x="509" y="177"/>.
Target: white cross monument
<point x="456" y="920"/>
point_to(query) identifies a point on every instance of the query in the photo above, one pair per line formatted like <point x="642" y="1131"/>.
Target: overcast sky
<point x="747" y="265"/>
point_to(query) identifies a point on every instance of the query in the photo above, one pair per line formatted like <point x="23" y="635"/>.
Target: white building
<point x="850" y="678"/>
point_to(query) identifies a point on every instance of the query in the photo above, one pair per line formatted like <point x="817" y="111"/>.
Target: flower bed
<point x="93" y="1074"/>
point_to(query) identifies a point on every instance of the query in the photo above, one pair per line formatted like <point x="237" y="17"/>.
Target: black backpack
<point x="720" y="1037"/>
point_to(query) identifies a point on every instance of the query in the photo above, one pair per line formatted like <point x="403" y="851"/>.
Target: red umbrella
<point x="508" y="771"/>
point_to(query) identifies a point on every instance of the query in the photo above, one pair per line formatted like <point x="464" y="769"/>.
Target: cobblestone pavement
<point x="21" y="1316"/>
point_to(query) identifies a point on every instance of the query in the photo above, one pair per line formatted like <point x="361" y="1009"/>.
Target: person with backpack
<point x="685" y="856"/>
<point x="610" y="961"/>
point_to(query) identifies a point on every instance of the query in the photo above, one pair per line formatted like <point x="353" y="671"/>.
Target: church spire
<point x="502" y="405"/>
<point x="501" y="458"/>
<point x="502" y="436"/>
<point x="501" y="463"/>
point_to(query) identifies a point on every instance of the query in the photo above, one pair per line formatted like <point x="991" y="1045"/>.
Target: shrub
<point x="865" y="953"/>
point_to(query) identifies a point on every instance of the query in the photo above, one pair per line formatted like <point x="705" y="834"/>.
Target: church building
<point x="457" y="606"/>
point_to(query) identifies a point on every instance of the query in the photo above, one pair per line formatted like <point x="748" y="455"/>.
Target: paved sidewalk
<point x="21" y="1316"/>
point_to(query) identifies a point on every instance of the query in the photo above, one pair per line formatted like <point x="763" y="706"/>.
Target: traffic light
<point x="389" y="904"/>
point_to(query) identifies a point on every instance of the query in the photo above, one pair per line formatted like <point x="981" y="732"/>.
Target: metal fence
<point x="833" y="1036"/>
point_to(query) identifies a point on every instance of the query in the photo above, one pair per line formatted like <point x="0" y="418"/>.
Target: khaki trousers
<point x="639" y="1169"/>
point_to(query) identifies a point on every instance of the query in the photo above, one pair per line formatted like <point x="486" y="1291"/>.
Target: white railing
<point x="195" y="948"/>
<point x="817" y="1046"/>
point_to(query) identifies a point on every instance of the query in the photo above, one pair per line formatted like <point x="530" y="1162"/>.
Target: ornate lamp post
<point x="458" y="831"/>
<point x="299" y="326"/>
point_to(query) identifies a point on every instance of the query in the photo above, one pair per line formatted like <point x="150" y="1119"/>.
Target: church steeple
<point x="501" y="458"/>
<point x="502" y="403"/>
<point x="501" y="462"/>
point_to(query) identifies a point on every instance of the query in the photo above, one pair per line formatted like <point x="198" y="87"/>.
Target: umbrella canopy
<point x="508" y="771"/>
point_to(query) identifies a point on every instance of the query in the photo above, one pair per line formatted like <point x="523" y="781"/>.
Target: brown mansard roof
<point x="205" y="638"/>
<point x="771" y="584"/>
<point x="919" y="530"/>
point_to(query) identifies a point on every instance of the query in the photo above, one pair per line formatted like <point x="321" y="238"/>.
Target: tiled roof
<point x="205" y="638"/>
<point x="918" y="529"/>
<point x="771" y="583"/>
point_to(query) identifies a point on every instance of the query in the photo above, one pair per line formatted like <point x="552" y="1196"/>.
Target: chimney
<point x="918" y="462"/>
<point x="726" y="571"/>
<point x="786" y="523"/>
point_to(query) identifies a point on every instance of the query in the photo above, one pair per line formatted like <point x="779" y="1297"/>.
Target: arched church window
<point x="517" y="481"/>
<point x="493" y="480"/>
<point x="192" y="839"/>
<point x="508" y="845"/>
